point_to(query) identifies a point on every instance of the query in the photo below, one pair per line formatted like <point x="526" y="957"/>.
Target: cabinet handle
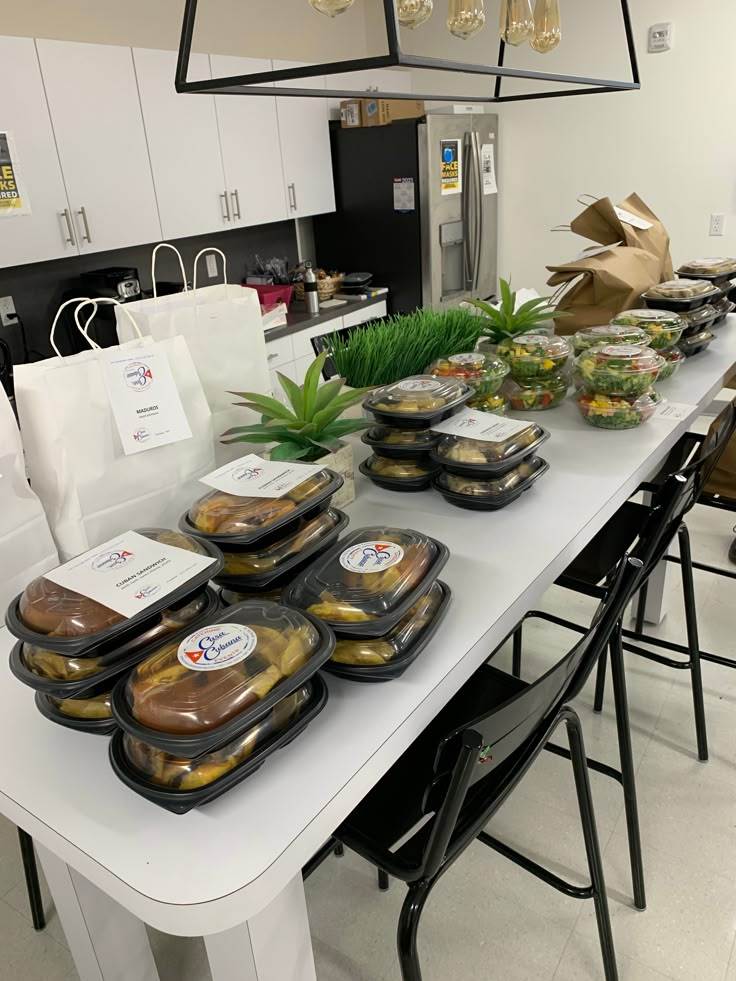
<point x="225" y="207"/>
<point x="65" y="214"/>
<point x="86" y="237"/>
<point x="272" y="356"/>
<point x="292" y="197"/>
<point x="236" y="204"/>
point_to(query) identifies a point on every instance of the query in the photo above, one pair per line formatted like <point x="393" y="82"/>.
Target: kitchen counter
<point x="299" y="319"/>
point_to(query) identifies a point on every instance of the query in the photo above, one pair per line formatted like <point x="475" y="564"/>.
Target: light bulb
<point x="413" y="13"/>
<point x="465" y="18"/>
<point x="332" y="7"/>
<point x="517" y="21"/>
<point x="547" y="33"/>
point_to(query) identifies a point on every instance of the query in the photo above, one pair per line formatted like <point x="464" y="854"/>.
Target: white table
<point x="231" y="872"/>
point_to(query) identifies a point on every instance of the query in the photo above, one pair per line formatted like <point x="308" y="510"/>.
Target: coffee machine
<point x="119" y="283"/>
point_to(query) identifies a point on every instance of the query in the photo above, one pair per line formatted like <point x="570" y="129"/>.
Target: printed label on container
<point x="466" y="359"/>
<point x="144" y="399"/>
<point x="252" y="476"/>
<point x="419" y="385"/>
<point x="621" y="350"/>
<point x="481" y="425"/>
<point x="674" y="411"/>
<point x="221" y="645"/>
<point x="130" y="572"/>
<point x="371" y="556"/>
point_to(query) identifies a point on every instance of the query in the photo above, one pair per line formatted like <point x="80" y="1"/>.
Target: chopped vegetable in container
<point x="615" y="411"/>
<point x="536" y="396"/>
<point x="534" y="357"/>
<point x="489" y="403"/>
<point x="616" y="332"/>
<point x="484" y="373"/>
<point x="618" y="369"/>
<point x="673" y="358"/>
<point x="663" y="328"/>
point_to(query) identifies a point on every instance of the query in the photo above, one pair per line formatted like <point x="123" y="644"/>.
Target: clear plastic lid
<point x="180" y="773"/>
<point x="649" y="318"/>
<point x="534" y="346"/>
<point x="97" y="707"/>
<point x="482" y="372"/>
<point x="722" y="306"/>
<point x="617" y="412"/>
<point x="619" y="369"/>
<point x="55" y="611"/>
<point x="696" y="342"/>
<point x="231" y="597"/>
<point x="420" y="394"/>
<point x="680" y="289"/>
<point x="218" y="513"/>
<point x="413" y="438"/>
<point x="369" y="651"/>
<point x="222" y="670"/>
<point x="495" y="403"/>
<point x="702" y="315"/>
<point x="307" y="536"/>
<point x="368" y="576"/>
<point x="384" y="466"/>
<point x="498" y="487"/>
<point x="478" y="452"/>
<point x="712" y="266"/>
<point x="613" y="333"/>
<point x="531" y="396"/>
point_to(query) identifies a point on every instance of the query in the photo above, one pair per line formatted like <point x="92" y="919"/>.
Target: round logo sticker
<point x="419" y="385"/>
<point x="627" y="350"/>
<point x="138" y="376"/>
<point x="215" y="647"/>
<point x="371" y="556"/>
<point x="465" y="358"/>
<point x="111" y="560"/>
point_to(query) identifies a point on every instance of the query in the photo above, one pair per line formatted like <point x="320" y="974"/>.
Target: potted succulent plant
<point x="309" y="428"/>
<point x="505" y="320"/>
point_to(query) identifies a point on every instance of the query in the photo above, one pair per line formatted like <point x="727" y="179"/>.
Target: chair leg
<point x="516" y="652"/>
<point x="406" y="937"/>
<point x="641" y="607"/>
<point x="339" y="850"/>
<point x="592" y="847"/>
<point x="693" y="642"/>
<point x="628" y="776"/>
<point x="600" y="682"/>
<point x="33" y="886"/>
<point x="383" y="880"/>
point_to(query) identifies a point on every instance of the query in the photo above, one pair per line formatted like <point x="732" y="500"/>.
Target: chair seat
<point x="399" y="801"/>
<point x="606" y="549"/>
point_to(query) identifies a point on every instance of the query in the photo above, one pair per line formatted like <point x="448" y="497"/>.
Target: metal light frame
<point x="252" y="84"/>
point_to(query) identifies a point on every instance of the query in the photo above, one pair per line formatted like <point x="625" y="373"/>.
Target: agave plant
<point x="310" y="426"/>
<point x="506" y="321"/>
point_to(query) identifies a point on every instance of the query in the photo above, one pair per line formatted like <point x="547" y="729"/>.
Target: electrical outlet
<point x="8" y="315"/>
<point x="212" y="266"/>
<point x="717" y="224"/>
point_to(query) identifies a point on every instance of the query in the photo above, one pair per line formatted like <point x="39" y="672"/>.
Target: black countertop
<point x="299" y="320"/>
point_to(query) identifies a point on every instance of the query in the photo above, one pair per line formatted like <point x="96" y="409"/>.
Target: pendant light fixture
<point x="465" y="19"/>
<point x="414" y="13"/>
<point x="517" y="21"/>
<point x="547" y="30"/>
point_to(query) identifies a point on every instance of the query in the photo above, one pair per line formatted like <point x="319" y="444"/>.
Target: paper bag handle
<point x="102" y="299"/>
<point x="83" y="300"/>
<point x="561" y="228"/>
<point x="224" y="265"/>
<point x="592" y="197"/>
<point x="165" y="245"/>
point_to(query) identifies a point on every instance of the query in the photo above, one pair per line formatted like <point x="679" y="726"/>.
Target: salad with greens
<point x="614" y="333"/>
<point x="536" y="396"/>
<point x="481" y="372"/>
<point x="534" y="357"/>
<point x="488" y="403"/>
<point x="618" y="369"/>
<point x="664" y="328"/>
<point x="673" y="358"/>
<point x="615" y="411"/>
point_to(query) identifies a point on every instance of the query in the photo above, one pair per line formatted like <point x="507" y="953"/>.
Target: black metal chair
<point x="33" y="886"/>
<point x="439" y="796"/>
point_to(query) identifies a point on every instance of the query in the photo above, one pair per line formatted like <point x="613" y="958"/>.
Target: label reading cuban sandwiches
<point x="371" y="556"/>
<point x="218" y="646"/>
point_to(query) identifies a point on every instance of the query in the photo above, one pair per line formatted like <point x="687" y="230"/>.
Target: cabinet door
<point x="305" y="148"/>
<point x="251" y="153"/>
<point x="24" y="116"/>
<point x="181" y="131"/>
<point x="96" y="115"/>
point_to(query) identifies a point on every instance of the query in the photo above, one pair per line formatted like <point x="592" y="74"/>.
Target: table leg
<point x="106" y="941"/>
<point x="274" y="945"/>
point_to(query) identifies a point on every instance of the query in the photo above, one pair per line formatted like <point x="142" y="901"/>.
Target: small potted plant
<point x="309" y="428"/>
<point x="506" y="321"/>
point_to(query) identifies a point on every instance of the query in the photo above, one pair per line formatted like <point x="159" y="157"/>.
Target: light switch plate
<point x="660" y="38"/>
<point x="8" y="315"/>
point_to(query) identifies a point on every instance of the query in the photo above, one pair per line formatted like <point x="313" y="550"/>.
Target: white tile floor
<point x="490" y="921"/>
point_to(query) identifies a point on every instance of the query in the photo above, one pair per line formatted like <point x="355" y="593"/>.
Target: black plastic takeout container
<point x="97" y="727"/>
<point x="456" y="397"/>
<point x="403" y="484"/>
<point x="510" y="454"/>
<point x="377" y="437"/>
<point x="495" y="502"/>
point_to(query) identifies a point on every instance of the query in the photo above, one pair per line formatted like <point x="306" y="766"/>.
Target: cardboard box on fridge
<point x="355" y="113"/>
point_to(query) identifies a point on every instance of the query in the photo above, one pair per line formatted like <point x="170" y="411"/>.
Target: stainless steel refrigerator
<point x="417" y="205"/>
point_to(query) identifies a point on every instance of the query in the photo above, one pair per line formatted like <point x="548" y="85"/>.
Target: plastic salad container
<point x="365" y="584"/>
<point x="535" y="357"/>
<point x="490" y="494"/>
<point x="227" y="520"/>
<point x="258" y="568"/>
<point x="696" y="320"/>
<point x="179" y="783"/>
<point x="481" y="458"/>
<point x="618" y="369"/>
<point x="387" y="657"/>
<point x="194" y="696"/>
<point x="696" y="343"/>
<point x="403" y="444"/>
<point x="496" y="404"/>
<point x="418" y="402"/>
<point x="398" y="475"/>
<point x="91" y="714"/>
<point x="484" y="373"/>
<point x="613" y="333"/>
<point x="711" y="268"/>
<point x="662" y="327"/>
<point x="72" y="677"/>
<point x="615" y="411"/>
<point x="680" y="294"/>
<point x="536" y="396"/>
<point x="673" y="358"/>
<point x="61" y="620"/>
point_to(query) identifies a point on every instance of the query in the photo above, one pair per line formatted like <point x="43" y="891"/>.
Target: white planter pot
<point x="357" y="411"/>
<point x="342" y="462"/>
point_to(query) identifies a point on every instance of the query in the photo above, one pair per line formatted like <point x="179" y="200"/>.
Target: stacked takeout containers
<point x="538" y="363"/>
<point x="401" y="440"/>
<point x="615" y="385"/>
<point x="72" y="650"/>
<point x="720" y="272"/>
<point x="686" y="297"/>
<point x="378" y="589"/>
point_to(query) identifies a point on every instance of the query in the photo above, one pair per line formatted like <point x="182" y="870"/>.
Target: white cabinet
<point x="251" y="151"/>
<point x="305" y="149"/>
<point x="45" y="233"/>
<point x="95" y="111"/>
<point x="183" y="144"/>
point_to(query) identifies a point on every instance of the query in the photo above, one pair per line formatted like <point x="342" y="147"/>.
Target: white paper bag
<point x="27" y="549"/>
<point x="90" y="490"/>
<point x="223" y="329"/>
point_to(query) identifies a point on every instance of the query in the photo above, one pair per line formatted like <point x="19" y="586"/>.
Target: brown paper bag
<point x="602" y="285"/>
<point x="723" y="479"/>
<point x="601" y="222"/>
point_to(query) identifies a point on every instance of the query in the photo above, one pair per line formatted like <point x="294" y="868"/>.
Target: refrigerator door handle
<point x="468" y="254"/>
<point x="479" y="229"/>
